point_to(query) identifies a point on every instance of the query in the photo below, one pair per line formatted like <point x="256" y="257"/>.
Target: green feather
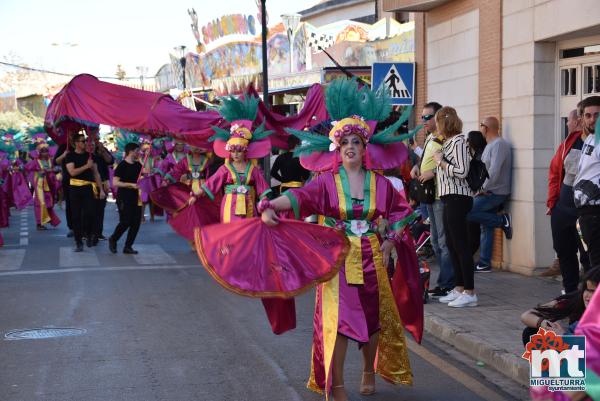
<point x="388" y="135"/>
<point x="220" y="133"/>
<point x="235" y="109"/>
<point x="261" y="132"/>
<point x="310" y="142"/>
<point x="342" y="98"/>
<point x="374" y="105"/>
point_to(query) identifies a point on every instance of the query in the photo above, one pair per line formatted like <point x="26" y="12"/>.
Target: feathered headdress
<point x="123" y="137"/>
<point x="241" y="114"/>
<point x="39" y="139"/>
<point x="354" y="111"/>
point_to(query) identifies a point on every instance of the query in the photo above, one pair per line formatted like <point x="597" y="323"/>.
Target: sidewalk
<point x="491" y="332"/>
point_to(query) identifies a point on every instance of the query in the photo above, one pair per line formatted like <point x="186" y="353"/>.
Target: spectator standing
<point x="457" y="198"/>
<point x="587" y="182"/>
<point x="85" y="186"/>
<point x="129" y="201"/>
<point x="497" y="157"/>
<point x="425" y="172"/>
<point x="561" y="205"/>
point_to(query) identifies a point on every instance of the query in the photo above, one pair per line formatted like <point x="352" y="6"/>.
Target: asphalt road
<point x="158" y="328"/>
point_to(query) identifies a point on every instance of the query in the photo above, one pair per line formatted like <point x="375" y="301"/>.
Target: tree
<point x="120" y="72"/>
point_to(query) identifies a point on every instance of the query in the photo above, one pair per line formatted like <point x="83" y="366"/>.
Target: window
<point x="568" y="81"/>
<point x="564" y="128"/>
<point x="591" y="79"/>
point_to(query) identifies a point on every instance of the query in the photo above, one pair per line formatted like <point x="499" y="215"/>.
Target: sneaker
<point x="483" y="268"/>
<point x="438" y="292"/>
<point x="452" y="295"/>
<point x="101" y="237"/>
<point x="507" y="225"/>
<point x="464" y="300"/>
<point x="553" y="270"/>
<point x="70" y="234"/>
<point x="79" y="247"/>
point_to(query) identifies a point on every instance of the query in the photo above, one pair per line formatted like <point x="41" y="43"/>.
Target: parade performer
<point x="151" y="178"/>
<point x="43" y="181"/>
<point x="186" y="178"/>
<point x="16" y="183"/>
<point x="239" y="179"/>
<point x="129" y="201"/>
<point x="85" y="186"/>
<point x="360" y="302"/>
<point x="175" y="152"/>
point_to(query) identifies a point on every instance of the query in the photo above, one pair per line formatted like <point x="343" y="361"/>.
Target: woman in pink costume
<point x="176" y="153"/>
<point x="150" y="179"/>
<point x="16" y="185"/>
<point x="186" y="178"/>
<point x="360" y="303"/>
<point x="44" y="183"/>
<point x="239" y="180"/>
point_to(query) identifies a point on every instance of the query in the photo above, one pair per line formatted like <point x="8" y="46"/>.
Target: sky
<point x="77" y="36"/>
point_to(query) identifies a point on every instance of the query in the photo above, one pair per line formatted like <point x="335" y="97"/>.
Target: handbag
<point x="423" y="192"/>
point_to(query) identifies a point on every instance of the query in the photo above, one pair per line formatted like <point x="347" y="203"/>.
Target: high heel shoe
<point x="367" y="389"/>
<point x="342" y="387"/>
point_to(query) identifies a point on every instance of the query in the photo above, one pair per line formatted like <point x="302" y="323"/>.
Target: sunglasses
<point x="427" y="117"/>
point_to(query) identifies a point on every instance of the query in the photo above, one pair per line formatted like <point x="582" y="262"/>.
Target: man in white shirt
<point x="587" y="182"/>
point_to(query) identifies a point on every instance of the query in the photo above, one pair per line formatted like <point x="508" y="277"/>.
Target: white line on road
<point x="11" y="259"/>
<point x="152" y="255"/>
<point x="455" y="373"/>
<point x="97" y="269"/>
<point x="69" y="258"/>
<point x="24" y="241"/>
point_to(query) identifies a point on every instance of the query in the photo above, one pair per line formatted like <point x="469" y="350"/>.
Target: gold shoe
<point x="341" y="386"/>
<point x="367" y="389"/>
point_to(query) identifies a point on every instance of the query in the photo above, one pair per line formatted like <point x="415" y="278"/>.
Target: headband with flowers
<point x="354" y="111"/>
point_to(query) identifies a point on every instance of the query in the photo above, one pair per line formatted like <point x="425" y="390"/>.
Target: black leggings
<point x="456" y="208"/>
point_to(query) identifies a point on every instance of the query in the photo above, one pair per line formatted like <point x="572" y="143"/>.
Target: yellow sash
<point x="290" y="184"/>
<point x="74" y="182"/>
<point x="41" y="187"/>
<point x="240" y="199"/>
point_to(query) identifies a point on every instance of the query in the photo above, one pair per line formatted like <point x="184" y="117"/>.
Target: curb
<point x="478" y="348"/>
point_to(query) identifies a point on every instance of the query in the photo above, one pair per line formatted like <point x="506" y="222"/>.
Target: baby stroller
<point x="422" y="241"/>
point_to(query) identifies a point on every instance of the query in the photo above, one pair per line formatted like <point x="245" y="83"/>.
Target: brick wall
<point x="490" y="58"/>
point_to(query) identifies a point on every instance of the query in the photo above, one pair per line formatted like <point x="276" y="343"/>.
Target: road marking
<point x="97" y="269"/>
<point x="455" y="373"/>
<point x="24" y="241"/>
<point x="11" y="259"/>
<point x="152" y="255"/>
<point x="69" y="258"/>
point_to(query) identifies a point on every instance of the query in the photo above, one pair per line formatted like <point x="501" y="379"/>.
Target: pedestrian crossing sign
<point x="397" y="78"/>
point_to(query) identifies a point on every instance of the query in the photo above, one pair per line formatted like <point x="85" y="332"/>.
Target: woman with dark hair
<point x="569" y="306"/>
<point x="476" y="142"/>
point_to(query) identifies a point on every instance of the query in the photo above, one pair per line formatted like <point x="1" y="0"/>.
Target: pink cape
<point x="253" y="259"/>
<point x="185" y="218"/>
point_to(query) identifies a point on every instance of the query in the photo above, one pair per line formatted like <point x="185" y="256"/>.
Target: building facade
<point x="529" y="62"/>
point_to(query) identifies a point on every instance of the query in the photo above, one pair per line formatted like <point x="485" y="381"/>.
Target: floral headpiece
<point x="355" y="111"/>
<point x="241" y="113"/>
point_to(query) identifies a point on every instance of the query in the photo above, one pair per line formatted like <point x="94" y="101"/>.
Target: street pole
<point x="265" y="73"/>
<point x="182" y="61"/>
<point x="265" y="77"/>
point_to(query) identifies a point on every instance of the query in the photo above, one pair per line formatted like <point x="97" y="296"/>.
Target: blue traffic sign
<point x="397" y="78"/>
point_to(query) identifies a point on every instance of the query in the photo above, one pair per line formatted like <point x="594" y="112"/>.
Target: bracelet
<point x="263" y="205"/>
<point x="392" y="236"/>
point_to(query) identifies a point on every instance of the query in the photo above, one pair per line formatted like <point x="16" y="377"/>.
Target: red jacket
<point x="556" y="172"/>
